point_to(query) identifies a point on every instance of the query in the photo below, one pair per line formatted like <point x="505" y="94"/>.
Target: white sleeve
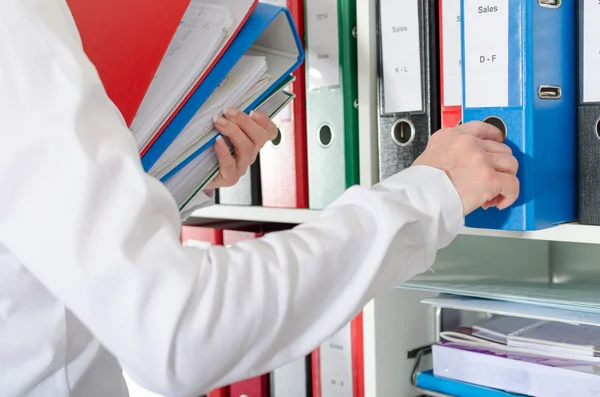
<point x="180" y="320"/>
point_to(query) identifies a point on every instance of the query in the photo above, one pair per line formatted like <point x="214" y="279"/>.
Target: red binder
<point x="284" y="169"/>
<point x="126" y="41"/>
<point x="451" y="114"/>
<point x="253" y="387"/>
<point x="206" y="234"/>
<point x="358" y="375"/>
<point x="222" y="392"/>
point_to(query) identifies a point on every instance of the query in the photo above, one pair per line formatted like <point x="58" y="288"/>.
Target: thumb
<point x="482" y="130"/>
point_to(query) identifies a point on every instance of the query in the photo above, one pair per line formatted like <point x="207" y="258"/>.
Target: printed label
<point x="336" y="365"/>
<point x="591" y="51"/>
<point x="451" y="52"/>
<point x="486" y="53"/>
<point x="323" y="52"/>
<point x="401" y="56"/>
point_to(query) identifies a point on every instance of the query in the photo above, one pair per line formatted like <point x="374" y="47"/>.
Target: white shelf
<point x="570" y="232"/>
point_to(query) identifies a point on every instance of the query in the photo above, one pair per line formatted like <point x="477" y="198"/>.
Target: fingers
<point x="503" y="162"/>
<point x="244" y="148"/>
<point x="482" y="130"/>
<point x="256" y="131"/>
<point x="508" y="188"/>
<point x="265" y="122"/>
<point x="495" y="147"/>
<point x="228" y="169"/>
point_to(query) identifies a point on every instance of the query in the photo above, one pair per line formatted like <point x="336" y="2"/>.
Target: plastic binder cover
<point x="331" y="95"/>
<point x="269" y="32"/>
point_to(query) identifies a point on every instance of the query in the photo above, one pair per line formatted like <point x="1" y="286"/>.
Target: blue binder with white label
<point x="520" y="75"/>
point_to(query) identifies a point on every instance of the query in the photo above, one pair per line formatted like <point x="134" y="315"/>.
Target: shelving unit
<point x="396" y="323"/>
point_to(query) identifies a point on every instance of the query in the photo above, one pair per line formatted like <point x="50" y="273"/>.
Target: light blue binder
<point x="520" y="74"/>
<point x="269" y="29"/>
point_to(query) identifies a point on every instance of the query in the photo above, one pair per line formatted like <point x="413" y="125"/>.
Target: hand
<point x="248" y="134"/>
<point x="481" y="167"/>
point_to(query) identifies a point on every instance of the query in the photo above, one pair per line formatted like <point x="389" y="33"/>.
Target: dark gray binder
<point x="588" y="116"/>
<point x="406" y="124"/>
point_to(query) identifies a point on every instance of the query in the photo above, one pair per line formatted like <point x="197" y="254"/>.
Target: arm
<point x="180" y="320"/>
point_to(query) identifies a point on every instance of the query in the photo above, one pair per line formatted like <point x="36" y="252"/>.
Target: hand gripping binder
<point x="588" y="124"/>
<point x="450" y="63"/>
<point x="338" y="364"/>
<point x="519" y="74"/>
<point x="408" y="81"/>
<point x="284" y="179"/>
<point x="268" y="32"/>
<point x="331" y="99"/>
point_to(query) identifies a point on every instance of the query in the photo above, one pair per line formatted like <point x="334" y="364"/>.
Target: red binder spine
<point x="357" y="354"/>
<point x="451" y="113"/>
<point x="253" y="387"/>
<point x="206" y="234"/>
<point x="222" y="392"/>
<point x="284" y="167"/>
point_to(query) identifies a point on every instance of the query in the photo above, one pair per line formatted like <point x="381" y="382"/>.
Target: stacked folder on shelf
<point x="173" y="66"/>
<point x="519" y="350"/>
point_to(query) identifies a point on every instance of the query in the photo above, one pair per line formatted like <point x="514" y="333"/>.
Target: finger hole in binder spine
<point x="403" y="132"/>
<point x="325" y="135"/>
<point x="498" y="123"/>
<point x="277" y="140"/>
<point x="598" y="128"/>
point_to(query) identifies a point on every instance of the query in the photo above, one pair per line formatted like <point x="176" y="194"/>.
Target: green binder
<point x="331" y="99"/>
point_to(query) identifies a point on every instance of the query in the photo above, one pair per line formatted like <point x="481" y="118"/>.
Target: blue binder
<point x="519" y="73"/>
<point x="268" y="26"/>
<point x="428" y="381"/>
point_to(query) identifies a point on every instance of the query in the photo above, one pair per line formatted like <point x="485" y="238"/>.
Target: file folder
<point x="190" y="234"/>
<point x="293" y="379"/>
<point x="268" y="32"/>
<point x="450" y="63"/>
<point x="253" y="387"/>
<point x="338" y="364"/>
<point x="519" y="74"/>
<point x="126" y="41"/>
<point x="589" y="112"/>
<point x="331" y="99"/>
<point x="246" y="192"/>
<point x="408" y="81"/>
<point x="284" y="172"/>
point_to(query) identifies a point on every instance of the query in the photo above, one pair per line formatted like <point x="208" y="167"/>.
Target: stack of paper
<point x="174" y="66"/>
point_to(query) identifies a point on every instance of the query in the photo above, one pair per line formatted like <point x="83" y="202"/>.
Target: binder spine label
<point x="336" y="364"/>
<point x="486" y="53"/>
<point x="591" y="51"/>
<point x="401" y="56"/>
<point x="451" y="52"/>
<point x="323" y="49"/>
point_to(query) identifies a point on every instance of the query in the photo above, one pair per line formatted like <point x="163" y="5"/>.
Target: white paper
<point x="401" y="56"/>
<point x="182" y="64"/>
<point x="486" y="53"/>
<point x="323" y="52"/>
<point x="336" y="365"/>
<point x="451" y="52"/>
<point x="591" y="51"/>
<point x="280" y="3"/>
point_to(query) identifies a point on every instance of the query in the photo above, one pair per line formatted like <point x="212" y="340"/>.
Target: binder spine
<point x="588" y="115"/>
<point x="403" y="136"/>
<point x="537" y="54"/>
<point x="451" y="113"/>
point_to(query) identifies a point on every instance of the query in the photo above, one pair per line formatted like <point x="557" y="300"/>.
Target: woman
<point x="92" y="273"/>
